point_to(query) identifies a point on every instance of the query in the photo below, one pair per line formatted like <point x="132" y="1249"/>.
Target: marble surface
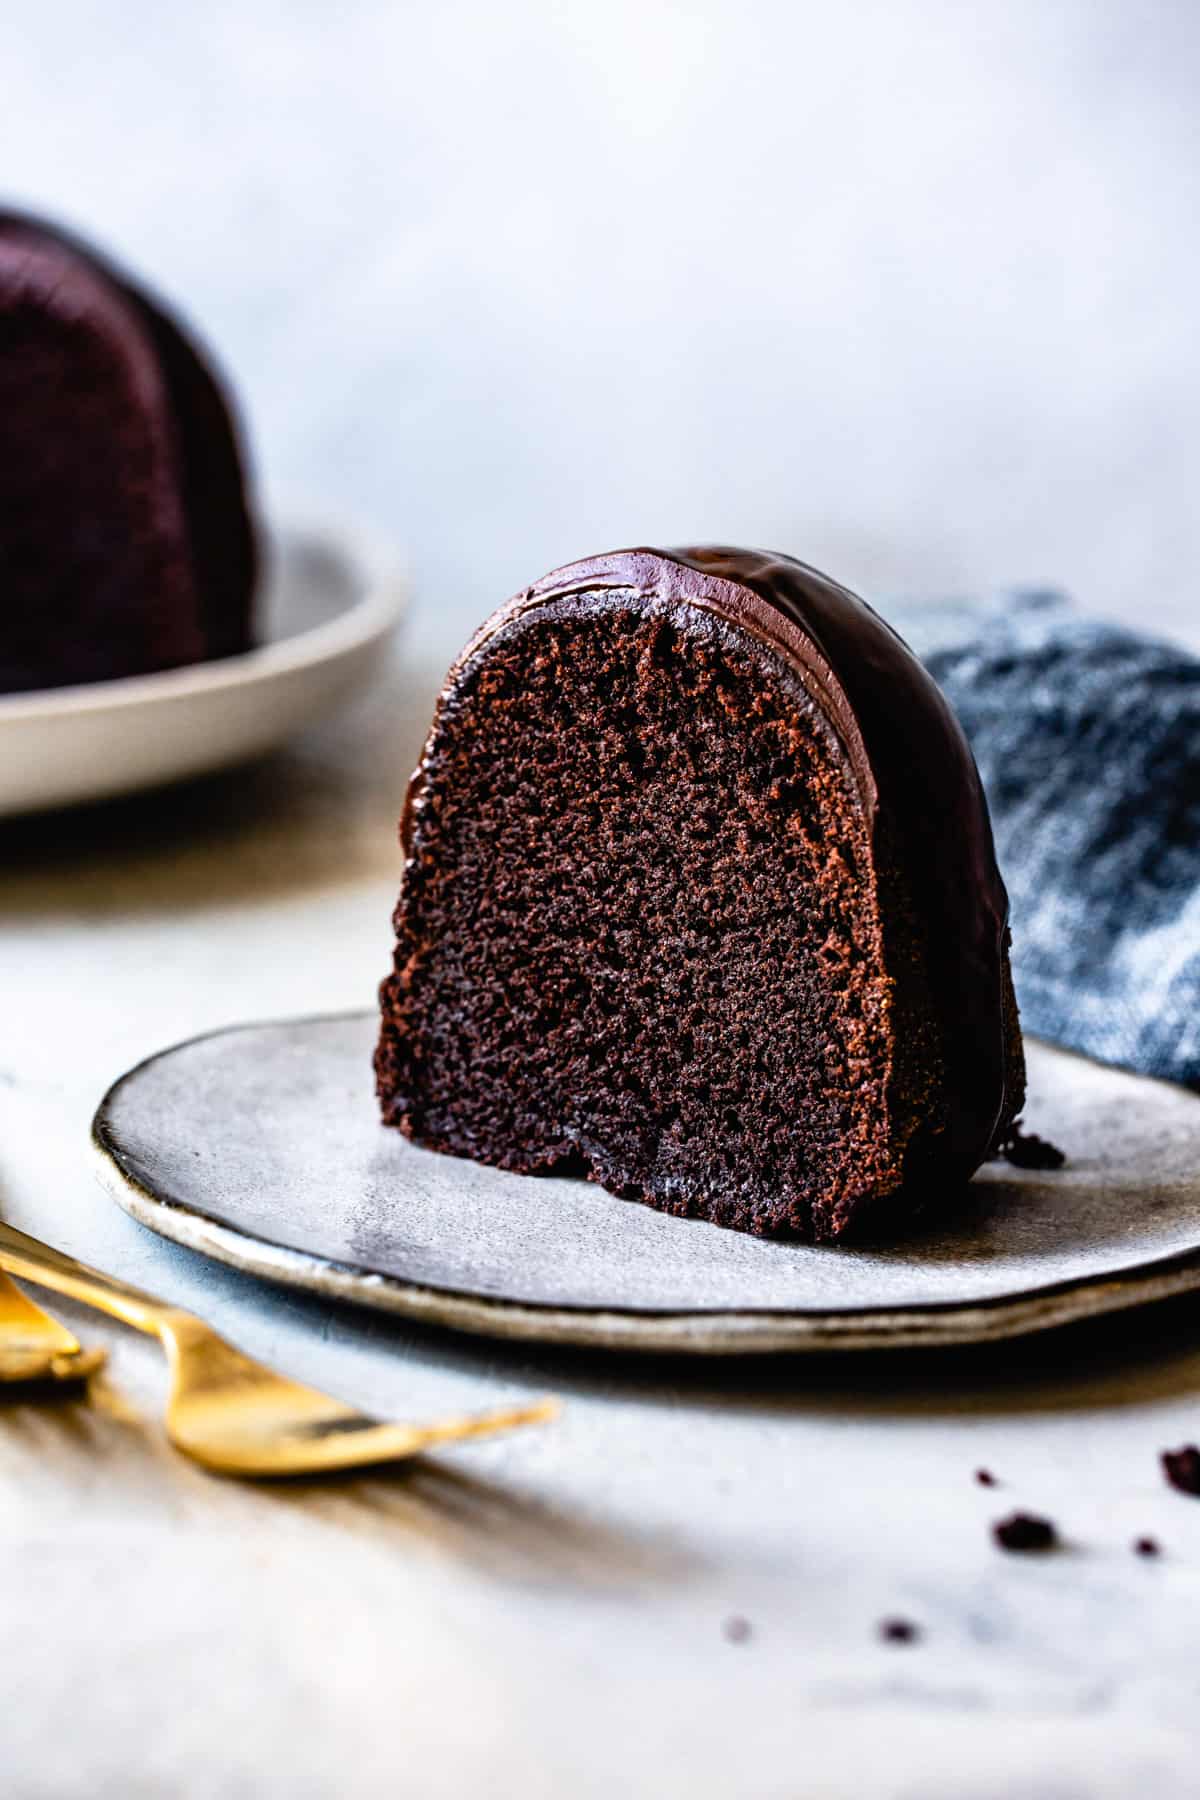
<point x="547" y="1614"/>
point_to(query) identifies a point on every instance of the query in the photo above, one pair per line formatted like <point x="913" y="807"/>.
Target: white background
<point x="909" y="289"/>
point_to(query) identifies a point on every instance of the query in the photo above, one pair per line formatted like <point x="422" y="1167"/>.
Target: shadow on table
<point x="1144" y="1354"/>
<point x="93" y="1431"/>
<point x="507" y="1531"/>
<point x="69" y="1419"/>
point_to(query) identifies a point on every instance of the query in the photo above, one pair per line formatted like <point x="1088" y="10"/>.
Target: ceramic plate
<point x="260" y="1146"/>
<point x="328" y="601"/>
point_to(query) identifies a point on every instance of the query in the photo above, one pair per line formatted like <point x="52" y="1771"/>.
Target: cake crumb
<point x="985" y="1478"/>
<point x="898" y="1631"/>
<point x="1025" y="1531"/>
<point x="1025" y="1150"/>
<point x="1182" y="1468"/>
<point x="1148" y="1546"/>
<point x="736" y="1630"/>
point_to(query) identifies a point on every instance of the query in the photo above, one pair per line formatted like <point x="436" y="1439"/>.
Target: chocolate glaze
<point x="908" y="755"/>
<point x="212" y="462"/>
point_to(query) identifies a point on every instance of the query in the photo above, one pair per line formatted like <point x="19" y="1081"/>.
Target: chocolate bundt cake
<point x="700" y="901"/>
<point x="126" y="544"/>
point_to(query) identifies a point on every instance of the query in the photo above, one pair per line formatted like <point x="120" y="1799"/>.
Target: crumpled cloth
<point x="1087" y="737"/>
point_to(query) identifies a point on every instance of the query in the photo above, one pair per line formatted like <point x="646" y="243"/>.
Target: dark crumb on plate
<point x="1182" y="1468"/>
<point x="1148" y="1546"/>
<point x="1025" y="1150"/>
<point x="1025" y="1531"/>
<point x="898" y="1631"/>
<point x="985" y="1478"/>
<point x="736" y="1630"/>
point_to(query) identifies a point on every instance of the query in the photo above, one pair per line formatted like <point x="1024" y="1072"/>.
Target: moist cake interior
<point x="642" y="936"/>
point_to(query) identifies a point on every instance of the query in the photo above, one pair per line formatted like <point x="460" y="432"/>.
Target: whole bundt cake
<point x="700" y="901"/>
<point x="126" y="543"/>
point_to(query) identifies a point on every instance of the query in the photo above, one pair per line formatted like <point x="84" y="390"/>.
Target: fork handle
<point x="47" y="1267"/>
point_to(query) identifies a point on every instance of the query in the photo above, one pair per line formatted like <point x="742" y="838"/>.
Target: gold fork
<point x="35" y="1347"/>
<point x="232" y="1414"/>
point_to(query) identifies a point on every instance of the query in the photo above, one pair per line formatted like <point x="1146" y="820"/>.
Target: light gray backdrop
<point x="908" y="288"/>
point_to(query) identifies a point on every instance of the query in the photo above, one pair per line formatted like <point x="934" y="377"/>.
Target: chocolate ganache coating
<point x="954" y="1063"/>
<point x="922" y="771"/>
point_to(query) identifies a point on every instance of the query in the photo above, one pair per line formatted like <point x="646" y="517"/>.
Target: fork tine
<point x="34" y="1345"/>
<point x="329" y="1445"/>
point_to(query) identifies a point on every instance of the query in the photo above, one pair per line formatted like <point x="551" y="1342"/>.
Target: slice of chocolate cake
<point x="126" y="544"/>
<point x="700" y="901"/>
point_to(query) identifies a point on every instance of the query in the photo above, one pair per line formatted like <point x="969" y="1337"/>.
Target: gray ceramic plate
<point x="260" y="1146"/>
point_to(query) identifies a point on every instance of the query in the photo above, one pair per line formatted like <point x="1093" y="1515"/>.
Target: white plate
<point x="329" y="600"/>
<point x="261" y="1146"/>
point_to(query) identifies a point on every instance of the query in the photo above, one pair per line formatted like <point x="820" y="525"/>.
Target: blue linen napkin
<point x="1087" y="736"/>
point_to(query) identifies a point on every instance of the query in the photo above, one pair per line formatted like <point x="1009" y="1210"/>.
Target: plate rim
<point x="374" y="612"/>
<point x="744" y="1330"/>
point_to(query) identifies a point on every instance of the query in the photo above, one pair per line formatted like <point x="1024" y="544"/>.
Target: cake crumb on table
<point x="899" y="1631"/>
<point x="1025" y="1531"/>
<point x="1182" y="1468"/>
